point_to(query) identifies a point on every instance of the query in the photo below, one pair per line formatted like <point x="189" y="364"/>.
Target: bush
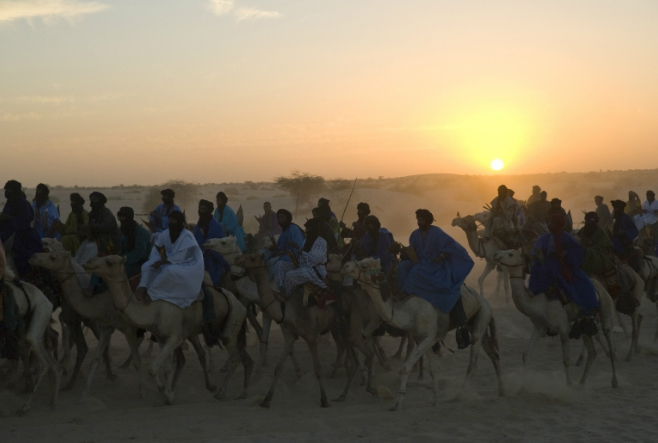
<point x="186" y="194"/>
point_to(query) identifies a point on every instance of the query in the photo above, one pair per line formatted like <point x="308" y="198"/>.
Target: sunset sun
<point x="497" y="164"/>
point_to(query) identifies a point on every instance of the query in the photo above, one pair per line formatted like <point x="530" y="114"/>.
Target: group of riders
<point x="168" y="257"/>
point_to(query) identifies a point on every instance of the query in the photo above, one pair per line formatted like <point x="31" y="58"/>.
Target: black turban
<point x="364" y="206"/>
<point x="323" y="201"/>
<point x="223" y="196"/>
<point x="286" y="213"/>
<point x="556" y="200"/>
<point x="101" y="197"/>
<point x="208" y="204"/>
<point x="591" y="218"/>
<point x="618" y="204"/>
<point x="13" y="184"/>
<point x="427" y="215"/>
<point x="372" y="220"/>
<point x="77" y="198"/>
<point x="168" y="192"/>
<point x="43" y="188"/>
<point x="178" y="216"/>
<point x="127" y="212"/>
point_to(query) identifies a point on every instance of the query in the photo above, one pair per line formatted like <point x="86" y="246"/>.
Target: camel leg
<point x="612" y="355"/>
<point x="354" y="363"/>
<point x="66" y="339"/>
<point x="295" y="363"/>
<point x="81" y="351"/>
<point x="494" y="355"/>
<point x="171" y="374"/>
<point x="340" y="351"/>
<point x="566" y="358"/>
<point x="379" y="353"/>
<point x="434" y="373"/>
<point x="624" y="328"/>
<point x="264" y="338"/>
<point x="317" y="367"/>
<point x="179" y="364"/>
<point x="398" y="354"/>
<point x="165" y="356"/>
<point x="48" y="364"/>
<point x="581" y="357"/>
<point x="103" y="342"/>
<point x="138" y="342"/>
<point x="537" y="333"/>
<point x="422" y="347"/>
<point x="133" y="344"/>
<point x="506" y="284"/>
<point x="487" y="270"/>
<point x="591" y="355"/>
<point x="202" y="359"/>
<point x="287" y="350"/>
<point x="635" y="320"/>
<point x="655" y="337"/>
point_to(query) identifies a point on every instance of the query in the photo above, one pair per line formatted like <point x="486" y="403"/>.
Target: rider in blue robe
<point x="229" y="221"/>
<point x="376" y="243"/>
<point x="160" y="216"/>
<point x="208" y="228"/>
<point x="624" y="232"/>
<point x="442" y="267"/>
<point x="17" y="216"/>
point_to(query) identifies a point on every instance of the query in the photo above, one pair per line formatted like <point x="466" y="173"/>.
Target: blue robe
<point x="293" y="234"/>
<point x="45" y="219"/>
<point x="380" y="251"/>
<point x="624" y="232"/>
<point x="440" y="282"/>
<point x="229" y="222"/>
<point x="213" y="261"/>
<point x="542" y="275"/>
<point x="161" y="217"/>
<point x="26" y="241"/>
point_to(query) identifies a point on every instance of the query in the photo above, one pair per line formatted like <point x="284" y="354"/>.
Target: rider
<point x="504" y="223"/>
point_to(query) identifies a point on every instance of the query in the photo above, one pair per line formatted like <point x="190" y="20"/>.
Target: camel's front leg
<point x="398" y="354"/>
<point x="133" y="343"/>
<point x="591" y="355"/>
<point x="566" y="358"/>
<point x="81" y="349"/>
<point x="612" y="355"/>
<point x="165" y="354"/>
<point x="635" y="324"/>
<point x="487" y="270"/>
<point x="537" y="333"/>
<point x="434" y="373"/>
<point x="196" y="344"/>
<point x="287" y="349"/>
<point x="655" y="337"/>
<point x="312" y="343"/>
<point x="264" y="339"/>
<point x="47" y="363"/>
<point x="103" y="342"/>
<point x="493" y="353"/>
<point x="408" y="365"/>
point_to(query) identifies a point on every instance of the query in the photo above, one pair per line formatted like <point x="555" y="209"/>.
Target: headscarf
<point x="14" y="185"/>
<point x="127" y="212"/>
<point x="128" y="227"/>
<point x="372" y="220"/>
<point x="44" y="189"/>
<point x="208" y="204"/>
<point x="285" y="213"/>
<point x="427" y="215"/>
<point x="168" y="192"/>
<point x="101" y="197"/>
<point x="77" y="198"/>
<point x="314" y="224"/>
<point x="222" y="195"/>
<point x="591" y="223"/>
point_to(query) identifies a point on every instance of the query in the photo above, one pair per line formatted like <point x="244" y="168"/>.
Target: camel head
<point x="109" y="266"/>
<point x="250" y="261"/>
<point x="356" y="268"/>
<point x="335" y="263"/>
<point x="511" y="258"/>
<point x="482" y="217"/>
<point x="52" y="245"/>
<point x="466" y="223"/>
<point x="52" y="261"/>
<point x="224" y="245"/>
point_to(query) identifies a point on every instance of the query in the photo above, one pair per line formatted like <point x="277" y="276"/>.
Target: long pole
<point x="348" y="199"/>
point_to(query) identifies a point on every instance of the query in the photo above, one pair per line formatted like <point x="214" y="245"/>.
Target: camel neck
<point x="73" y="292"/>
<point x="523" y="301"/>
<point x="268" y="300"/>
<point x="385" y="309"/>
<point x="125" y="300"/>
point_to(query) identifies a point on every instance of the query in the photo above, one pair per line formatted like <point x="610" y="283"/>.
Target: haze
<point x="101" y="93"/>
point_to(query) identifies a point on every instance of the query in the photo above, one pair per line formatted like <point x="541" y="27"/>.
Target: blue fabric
<point x="160" y="217"/>
<point x="229" y="222"/>
<point x="384" y="241"/>
<point x="45" y="219"/>
<point x="289" y="237"/>
<point x="213" y="261"/>
<point x="542" y="275"/>
<point x="625" y="232"/>
<point x="440" y="282"/>
<point x="136" y="257"/>
<point x="26" y="241"/>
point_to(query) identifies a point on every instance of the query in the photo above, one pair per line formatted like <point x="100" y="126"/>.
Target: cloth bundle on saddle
<point x="212" y="327"/>
<point x="618" y="283"/>
<point x="12" y="326"/>
<point x="322" y="297"/>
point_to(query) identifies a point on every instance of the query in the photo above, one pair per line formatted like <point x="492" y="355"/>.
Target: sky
<point x="139" y="92"/>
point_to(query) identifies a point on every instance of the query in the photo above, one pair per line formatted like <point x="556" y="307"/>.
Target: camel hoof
<point x="211" y="388"/>
<point x="169" y="398"/>
<point x="395" y="408"/>
<point x="219" y="395"/>
<point x="615" y="384"/>
<point x="265" y="404"/>
<point x="340" y="399"/>
<point x="68" y="386"/>
<point x="112" y="377"/>
<point x="242" y="396"/>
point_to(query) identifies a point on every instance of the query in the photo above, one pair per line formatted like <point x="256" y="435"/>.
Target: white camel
<point x="649" y="274"/>
<point x="428" y="324"/>
<point x="483" y="249"/>
<point x="549" y="316"/>
<point x="172" y="325"/>
<point x="34" y="306"/>
<point x="99" y="308"/>
<point x="296" y="320"/>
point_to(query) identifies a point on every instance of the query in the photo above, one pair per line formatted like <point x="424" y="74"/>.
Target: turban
<point x="285" y="213"/>
<point x="13" y="184"/>
<point x="618" y="204"/>
<point x="100" y="196"/>
<point x="77" y="198"/>
<point x="168" y="193"/>
<point x="127" y="212"/>
<point x="207" y="204"/>
<point x="591" y="218"/>
<point x="427" y="215"/>
<point x="372" y="220"/>
<point x="43" y="188"/>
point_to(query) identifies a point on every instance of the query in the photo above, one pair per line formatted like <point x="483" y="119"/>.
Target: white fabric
<point x="288" y="278"/>
<point x="83" y="277"/>
<point x="86" y="251"/>
<point x="179" y="281"/>
<point x="650" y="218"/>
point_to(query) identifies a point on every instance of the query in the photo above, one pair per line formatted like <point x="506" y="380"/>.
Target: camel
<point x="428" y="324"/>
<point x="649" y="274"/>
<point x="33" y="304"/>
<point x="172" y="325"/>
<point x="295" y="321"/>
<point x="247" y="291"/>
<point x="99" y="308"/>
<point x="482" y="249"/>
<point x="550" y="316"/>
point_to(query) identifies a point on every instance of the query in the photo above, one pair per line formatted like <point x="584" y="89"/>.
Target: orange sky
<point x="98" y="93"/>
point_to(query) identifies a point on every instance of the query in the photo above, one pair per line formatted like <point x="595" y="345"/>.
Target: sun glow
<point x="497" y="164"/>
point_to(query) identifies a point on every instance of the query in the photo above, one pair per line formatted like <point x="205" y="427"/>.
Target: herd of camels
<point x="353" y="321"/>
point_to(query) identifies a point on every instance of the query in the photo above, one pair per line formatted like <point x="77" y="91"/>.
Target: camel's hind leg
<point x="566" y="358"/>
<point x="490" y="346"/>
<point x="537" y="333"/>
<point x="655" y="337"/>
<point x="196" y="344"/>
<point x="434" y="373"/>
<point x="398" y="354"/>
<point x="420" y="349"/>
<point x="133" y="344"/>
<point x="165" y="357"/>
<point x="612" y="355"/>
<point x="81" y="351"/>
<point x="635" y="321"/>
<point x="101" y="348"/>
<point x="47" y="364"/>
<point x="317" y="367"/>
<point x="591" y="355"/>
<point x="287" y="350"/>
<point x="620" y="320"/>
<point x="487" y="270"/>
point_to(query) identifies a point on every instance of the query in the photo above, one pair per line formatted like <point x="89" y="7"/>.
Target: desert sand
<point x="538" y="406"/>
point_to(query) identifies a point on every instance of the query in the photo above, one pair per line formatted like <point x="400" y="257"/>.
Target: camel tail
<point x="493" y="334"/>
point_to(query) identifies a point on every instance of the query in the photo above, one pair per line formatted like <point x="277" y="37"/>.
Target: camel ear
<point x="458" y="216"/>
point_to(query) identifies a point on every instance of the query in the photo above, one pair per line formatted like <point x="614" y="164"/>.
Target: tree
<point x="186" y="193"/>
<point x="301" y="186"/>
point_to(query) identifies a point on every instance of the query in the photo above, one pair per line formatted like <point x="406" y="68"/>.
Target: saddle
<point x="555" y="293"/>
<point x="315" y="295"/>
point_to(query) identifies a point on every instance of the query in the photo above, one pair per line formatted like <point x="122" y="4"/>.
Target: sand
<point x="538" y="406"/>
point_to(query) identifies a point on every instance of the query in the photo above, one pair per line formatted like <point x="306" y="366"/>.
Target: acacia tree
<point x="301" y="186"/>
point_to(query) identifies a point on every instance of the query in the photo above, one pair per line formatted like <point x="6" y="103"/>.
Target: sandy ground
<point x="538" y="406"/>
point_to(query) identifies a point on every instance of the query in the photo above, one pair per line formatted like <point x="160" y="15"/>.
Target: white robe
<point x="179" y="281"/>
